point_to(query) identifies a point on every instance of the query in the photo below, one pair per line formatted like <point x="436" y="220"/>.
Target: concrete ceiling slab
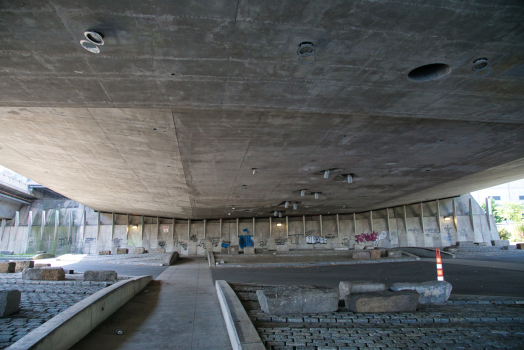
<point x="187" y="97"/>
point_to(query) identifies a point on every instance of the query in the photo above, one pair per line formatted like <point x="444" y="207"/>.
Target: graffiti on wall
<point x="117" y="242"/>
<point x="63" y="241"/>
<point x="90" y="240"/>
<point x="215" y="241"/>
<point x="262" y="242"/>
<point x="316" y="240"/>
<point x="280" y="241"/>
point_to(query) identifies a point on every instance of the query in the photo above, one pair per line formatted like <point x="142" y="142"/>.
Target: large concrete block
<point x="501" y="242"/>
<point x="374" y="254"/>
<point x="24" y="264"/>
<point x="7" y="267"/>
<point x="9" y="302"/>
<point x="404" y="301"/>
<point x="233" y="249"/>
<point x="357" y="287"/>
<point x="394" y="253"/>
<point x="122" y="251"/>
<point x="432" y="292"/>
<point x="297" y="299"/>
<point x="44" y="274"/>
<point x="140" y="250"/>
<point x="104" y="252"/>
<point x="466" y="244"/>
<point x="361" y="255"/>
<point x="249" y="250"/>
<point x="100" y="276"/>
<point x="282" y="248"/>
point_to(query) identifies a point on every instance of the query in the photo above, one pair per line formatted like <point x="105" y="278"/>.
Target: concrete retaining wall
<point x="68" y="327"/>
<point x="64" y="230"/>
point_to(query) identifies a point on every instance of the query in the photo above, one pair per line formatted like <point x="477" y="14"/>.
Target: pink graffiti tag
<point x="367" y="237"/>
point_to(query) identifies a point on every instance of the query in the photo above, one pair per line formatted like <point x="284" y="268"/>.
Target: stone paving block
<point x="374" y="254"/>
<point x="24" y="264"/>
<point x="356" y="287"/>
<point x="361" y="255"/>
<point x="7" y="267"/>
<point x="9" y="302"/>
<point x="432" y="292"/>
<point x="403" y="301"/>
<point x="122" y="251"/>
<point x="249" y="250"/>
<point x="100" y="276"/>
<point x="394" y="253"/>
<point x="297" y="299"/>
<point x="104" y="252"/>
<point x="44" y="274"/>
<point x="140" y="250"/>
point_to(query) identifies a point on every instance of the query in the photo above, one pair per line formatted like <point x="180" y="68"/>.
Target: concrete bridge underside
<point x="185" y="98"/>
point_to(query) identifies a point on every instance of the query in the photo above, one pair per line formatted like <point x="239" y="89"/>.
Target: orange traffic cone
<point x="440" y="272"/>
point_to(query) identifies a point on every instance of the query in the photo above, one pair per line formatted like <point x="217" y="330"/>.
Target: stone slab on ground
<point x="140" y="250"/>
<point x="282" y="248"/>
<point x="502" y="242"/>
<point x="104" y="252"/>
<point x="233" y="249"/>
<point x="403" y="301"/>
<point x="122" y="251"/>
<point x="9" y="302"/>
<point x="44" y="274"/>
<point x="24" y="264"/>
<point x="100" y="276"/>
<point x="431" y="292"/>
<point x="278" y="300"/>
<point x="394" y="253"/>
<point x="249" y="250"/>
<point x="7" y="267"/>
<point x="361" y="255"/>
<point x="374" y="254"/>
<point x="357" y="287"/>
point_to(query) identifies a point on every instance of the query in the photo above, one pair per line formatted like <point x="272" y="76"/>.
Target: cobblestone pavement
<point x="41" y="301"/>
<point x="464" y="322"/>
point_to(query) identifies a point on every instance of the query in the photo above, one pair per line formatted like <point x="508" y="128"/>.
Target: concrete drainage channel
<point x="68" y="327"/>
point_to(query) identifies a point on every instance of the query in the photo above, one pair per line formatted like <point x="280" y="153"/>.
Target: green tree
<point x="512" y="211"/>
<point x="495" y="209"/>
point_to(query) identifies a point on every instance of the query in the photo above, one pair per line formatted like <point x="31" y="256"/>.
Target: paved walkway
<point x="180" y="311"/>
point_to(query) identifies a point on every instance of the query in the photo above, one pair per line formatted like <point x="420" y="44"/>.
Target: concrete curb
<point x="242" y="334"/>
<point x="355" y="262"/>
<point x="67" y="328"/>
<point x="211" y="258"/>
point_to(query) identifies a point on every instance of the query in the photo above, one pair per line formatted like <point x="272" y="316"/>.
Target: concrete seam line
<point x="238" y="320"/>
<point x="43" y="337"/>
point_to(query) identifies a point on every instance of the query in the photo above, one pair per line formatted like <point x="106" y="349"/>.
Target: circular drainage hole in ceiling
<point x="429" y="72"/>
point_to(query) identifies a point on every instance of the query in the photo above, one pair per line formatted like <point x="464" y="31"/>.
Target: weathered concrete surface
<point x="100" y="276"/>
<point x="431" y="292"/>
<point x="25" y="264"/>
<point x="7" y="267"/>
<point x="357" y="287"/>
<point x="44" y="274"/>
<point x="9" y="302"/>
<point x="404" y="301"/>
<point x="297" y="299"/>
<point x="218" y="72"/>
